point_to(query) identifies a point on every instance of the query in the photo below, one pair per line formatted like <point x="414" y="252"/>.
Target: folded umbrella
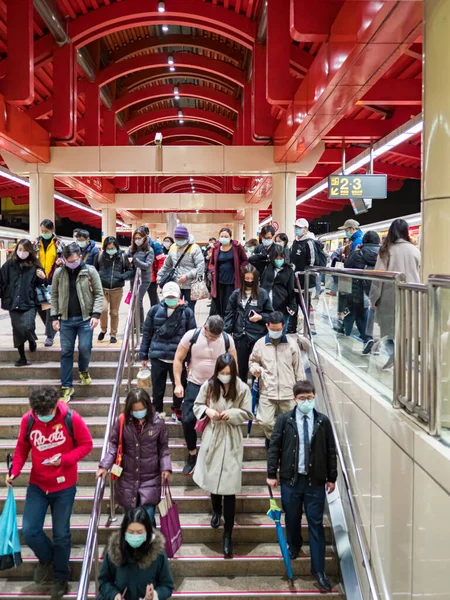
<point x="9" y="533"/>
<point x="255" y="402"/>
<point x="275" y="514"/>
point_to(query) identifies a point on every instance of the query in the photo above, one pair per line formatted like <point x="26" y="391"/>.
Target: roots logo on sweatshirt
<point x="55" y="439"/>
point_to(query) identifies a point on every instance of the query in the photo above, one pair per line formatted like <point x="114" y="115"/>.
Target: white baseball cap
<point x="171" y="289"/>
<point x="301" y="223"/>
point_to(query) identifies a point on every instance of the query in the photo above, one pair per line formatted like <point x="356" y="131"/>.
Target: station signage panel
<point x="357" y="186"/>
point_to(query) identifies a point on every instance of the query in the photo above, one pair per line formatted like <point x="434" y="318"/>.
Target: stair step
<point x="51" y="370"/>
<point x="98" y="388"/>
<point x="53" y="354"/>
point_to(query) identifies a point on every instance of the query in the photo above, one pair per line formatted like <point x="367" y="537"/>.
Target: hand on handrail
<point x="101" y="472"/>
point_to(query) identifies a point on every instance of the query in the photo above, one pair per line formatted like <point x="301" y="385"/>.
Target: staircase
<point x="199" y="569"/>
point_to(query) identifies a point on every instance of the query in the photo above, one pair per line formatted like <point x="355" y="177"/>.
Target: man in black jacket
<point x="303" y="448"/>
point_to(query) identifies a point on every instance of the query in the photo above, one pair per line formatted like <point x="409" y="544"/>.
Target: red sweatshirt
<point x="48" y="439"/>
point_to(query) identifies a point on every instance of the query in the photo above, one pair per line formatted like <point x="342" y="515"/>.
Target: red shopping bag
<point x="128" y="298"/>
<point x="170" y="522"/>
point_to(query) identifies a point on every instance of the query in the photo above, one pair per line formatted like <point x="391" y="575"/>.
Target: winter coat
<point x="144" y="457"/>
<point x="46" y="440"/>
<point x="90" y="254"/>
<point x="260" y="259"/>
<point x="365" y="258"/>
<point x="239" y="260"/>
<point x="134" y="577"/>
<point x="142" y="259"/>
<point x="356" y="239"/>
<point x="281" y="287"/>
<point x="303" y="256"/>
<point x="284" y="449"/>
<point x="114" y="270"/>
<point x="281" y="365"/>
<point x="162" y="334"/>
<point x="47" y="257"/>
<point x="219" y="462"/>
<point x="192" y="265"/>
<point x="89" y="290"/>
<point x="160" y="257"/>
<point x="404" y="258"/>
<point x="18" y="286"/>
<point x="237" y="319"/>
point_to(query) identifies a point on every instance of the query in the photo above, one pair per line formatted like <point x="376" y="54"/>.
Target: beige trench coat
<point x="219" y="462"/>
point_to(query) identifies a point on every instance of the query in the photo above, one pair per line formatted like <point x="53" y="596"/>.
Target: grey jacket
<point x="144" y="260"/>
<point x="89" y="290"/>
<point x="192" y="265"/>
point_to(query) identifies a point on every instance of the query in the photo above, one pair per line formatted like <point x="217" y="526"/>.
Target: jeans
<point x="70" y="329"/>
<point x="58" y="550"/>
<point x="293" y="497"/>
<point x="188" y="418"/>
<point x="151" y="513"/>
<point x="361" y="323"/>
<point x="335" y="284"/>
<point x="48" y="322"/>
<point x="229" y="509"/>
<point x="159" y="371"/>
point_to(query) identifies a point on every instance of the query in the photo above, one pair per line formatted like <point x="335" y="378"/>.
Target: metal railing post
<point x="434" y="353"/>
<point x="398" y="344"/>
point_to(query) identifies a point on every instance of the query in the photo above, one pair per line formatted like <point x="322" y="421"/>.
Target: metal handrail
<point x="91" y="549"/>
<point x="320" y="374"/>
<point x="354" y="273"/>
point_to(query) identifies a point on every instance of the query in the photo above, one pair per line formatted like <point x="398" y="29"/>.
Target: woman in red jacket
<point x="227" y="259"/>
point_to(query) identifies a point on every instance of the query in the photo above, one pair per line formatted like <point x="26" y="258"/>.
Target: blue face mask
<point x="47" y="236"/>
<point x="267" y="242"/>
<point x="112" y="252"/>
<point x="45" y="418"/>
<point x="82" y="244"/>
<point x="348" y="234"/>
<point x="135" y="540"/>
<point x="181" y="242"/>
<point x="139" y="414"/>
<point x="299" y="232"/>
<point x="279" y="262"/>
<point x="171" y="302"/>
<point x="306" y="406"/>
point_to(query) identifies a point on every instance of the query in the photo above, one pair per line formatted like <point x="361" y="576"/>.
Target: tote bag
<point x="170" y="522"/>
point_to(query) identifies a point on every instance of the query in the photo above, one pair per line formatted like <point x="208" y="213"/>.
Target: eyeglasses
<point x="303" y="399"/>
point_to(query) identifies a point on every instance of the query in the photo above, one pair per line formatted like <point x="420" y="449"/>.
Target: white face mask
<point x="275" y="335"/>
<point x="267" y="242"/>
<point x="23" y="254"/>
<point x="167" y="245"/>
<point x="224" y="378"/>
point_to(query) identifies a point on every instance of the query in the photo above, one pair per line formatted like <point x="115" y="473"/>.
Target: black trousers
<point x="220" y="303"/>
<point x="188" y="419"/>
<point x="186" y="294"/>
<point x="153" y="293"/>
<point x="229" y="509"/>
<point x="244" y="348"/>
<point x="160" y="370"/>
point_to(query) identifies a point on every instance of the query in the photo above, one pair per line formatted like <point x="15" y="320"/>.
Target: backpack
<point x="226" y="339"/>
<point x="320" y="256"/>
<point x="67" y="422"/>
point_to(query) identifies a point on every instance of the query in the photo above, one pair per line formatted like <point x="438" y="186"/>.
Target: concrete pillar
<point x="42" y="202"/>
<point x="251" y="223"/>
<point x="239" y="227"/>
<point x="284" y="196"/>
<point x="109" y="220"/>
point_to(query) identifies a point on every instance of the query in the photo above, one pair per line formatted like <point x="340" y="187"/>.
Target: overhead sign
<point x="275" y="225"/>
<point x="357" y="186"/>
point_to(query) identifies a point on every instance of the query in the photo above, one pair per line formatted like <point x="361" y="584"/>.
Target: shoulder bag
<point x="116" y="470"/>
<point x="201" y="425"/>
<point x="171" y="274"/>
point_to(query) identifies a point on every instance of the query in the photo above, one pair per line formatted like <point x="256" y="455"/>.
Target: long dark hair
<point x="277" y="250"/>
<point x="31" y="261"/>
<point x="135" y="515"/>
<point x="398" y="230"/>
<point x="255" y="287"/>
<point x="110" y="240"/>
<point x="135" y="396"/>
<point x="141" y="232"/>
<point x="216" y="386"/>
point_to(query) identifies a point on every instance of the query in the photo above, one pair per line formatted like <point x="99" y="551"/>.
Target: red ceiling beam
<point x="366" y="38"/>
<point x="396" y="171"/>
<point x="64" y="120"/>
<point x="408" y="151"/>
<point x="311" y="21"/>
<point x="184" y="90"/>
<point x="171" y="114"/>
<point x="333" y="156"/>
<point x="205" y="185"/>
<point x="162" y="75"/>
<point x="280" y="84"/>
<point x="195" y="62"/>
<point x="262" y="121"/>
<point x="394" y="92"/>
<point x="359" y="129"/>
<point x="300" y="59"/>
<point x="41" y="110"/>
<point x="193" y="132"/>
<point x="92" y="115"/>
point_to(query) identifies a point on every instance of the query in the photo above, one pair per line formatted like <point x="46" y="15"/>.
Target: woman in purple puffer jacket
<point x="146" y="460"/>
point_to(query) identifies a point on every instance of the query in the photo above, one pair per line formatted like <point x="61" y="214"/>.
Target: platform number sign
<point x="357" y="186"/>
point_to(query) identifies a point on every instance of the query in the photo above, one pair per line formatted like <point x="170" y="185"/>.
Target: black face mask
<point x="249" y="284"/>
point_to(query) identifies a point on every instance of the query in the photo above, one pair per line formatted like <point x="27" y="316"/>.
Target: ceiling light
<point x="180" y="113"/>
<point x="175" y="91"/>
<point x="191" y="179"/>
<point x="172" y="69"/>
<point x="161" y="7"/>
<point x="181" y="121"/>
<point x="165" y="28"/>
<point x="170" y="60"/>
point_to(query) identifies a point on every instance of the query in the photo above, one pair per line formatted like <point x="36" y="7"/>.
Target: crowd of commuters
<point x="253" y="308"/>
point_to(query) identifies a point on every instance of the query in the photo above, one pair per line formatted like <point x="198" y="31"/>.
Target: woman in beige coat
<point x="397" y="254"/>
<point x="226" y="401"/>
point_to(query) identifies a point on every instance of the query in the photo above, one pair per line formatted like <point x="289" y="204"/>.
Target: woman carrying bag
<point x="135" y="566"/>
<point x="279" y="281"/>
<point x="20" y="277"/>
<point x="145" y="447"/>
<point x="223" y="404"/>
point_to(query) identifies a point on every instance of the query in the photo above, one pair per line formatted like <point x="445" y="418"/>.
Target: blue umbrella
<point x="9" y="534"/>
<point x="275" y="514"/>
<point x="255" y="402"/>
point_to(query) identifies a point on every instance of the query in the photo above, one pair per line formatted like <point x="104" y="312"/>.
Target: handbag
<point x="116" y="470"/>
<point x="128" y="298"/>
<point x="199" y="290"/>
<point x="43" y="295"/>
<point x="170" y="522"/>
<point x="171" y="274"/>
<point x="202" y="424"/>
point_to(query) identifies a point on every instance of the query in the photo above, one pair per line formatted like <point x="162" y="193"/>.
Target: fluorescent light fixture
<point x="161" y="7"/>
<point x="165" y="28"/>
<point x="176" y="91"/>
<point x="172" y="68"/>
<point x="312" y="192"/>
<point x="191" y="179"/>
<point x="77" y="205"/>
<point x="170" y="60"/>
<point x="180" y="113"/>
<point x="7" y="175"/>
<point x="181" y="121"/>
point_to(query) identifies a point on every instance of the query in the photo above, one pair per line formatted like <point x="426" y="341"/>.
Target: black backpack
<point x="320" y="256"/>
<point x="226" y="339"/>
<point x="67" y="422"/>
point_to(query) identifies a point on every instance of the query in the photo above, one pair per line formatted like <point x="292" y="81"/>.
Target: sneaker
<point x="101" y="336"/>
<point x="332" y="294"/>
<point x="86" y="379"/>
<point x="176" y="415"/>
<point x="161" y="415"/>
<point x="48" y="342"/>
<point x="190" y="465"/>
<point x="367" y="349"/>
<point x="66" y="394"/>
<point x="42" y="572"/>
<point x="32" y="345"/>
<point x="59" y="589"/>
<point x="113" y="340"/>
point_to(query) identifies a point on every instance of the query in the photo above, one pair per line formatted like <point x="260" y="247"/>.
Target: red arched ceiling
<point x="171" y="133"/>
<point x="189" y="114"/>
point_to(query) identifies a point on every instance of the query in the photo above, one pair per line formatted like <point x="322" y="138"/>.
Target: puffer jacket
<point x="192" y="265"/>
<point x="162" y="334"/>
<point x="237" y="319"/>
<point x="281" y="287"/>
<point x="89" y="290"/>
<point x="281" y="364"/>
<point x="365" y="258"/>
<point x="114" y="270"/>
<point x="59" y="248"/>
<point x="143" y="259"/>
<point x="18" y="286"/>
<point x="303" y="256"/>
<point x="90" y="254"/>
<point x="160" y="257"/>
<point x="144" y="457"/>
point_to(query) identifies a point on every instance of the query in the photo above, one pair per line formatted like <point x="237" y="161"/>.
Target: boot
<point x="227" y="545"/>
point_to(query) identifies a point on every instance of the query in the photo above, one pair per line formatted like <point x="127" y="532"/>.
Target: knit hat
<point x="171" y="289"/>
<point x="181" y="233"/>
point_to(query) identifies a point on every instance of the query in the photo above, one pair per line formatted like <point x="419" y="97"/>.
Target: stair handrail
<point x="91" y="548"/>
<point x="361" y="542"/>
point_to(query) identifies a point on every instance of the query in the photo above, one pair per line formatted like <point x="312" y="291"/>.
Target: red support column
<point x="263" y="124"/>
<point x="92" y="114"/>
<point x="122" y="138"/>
<point x="19" y="84"/>
<point x="280" y="83"/>
<point x="64" y="122"/>
<point x="109" y="135"/>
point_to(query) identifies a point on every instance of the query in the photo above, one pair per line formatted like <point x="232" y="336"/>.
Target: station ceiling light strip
<point x="397" y="137"/>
